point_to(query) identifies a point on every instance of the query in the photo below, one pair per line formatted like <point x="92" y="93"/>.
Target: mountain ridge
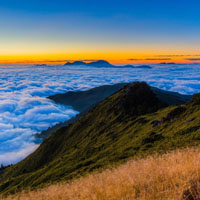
<point x="83" y="101"/>
<point x="128" y="124"/>
<point x="104" y="63"/>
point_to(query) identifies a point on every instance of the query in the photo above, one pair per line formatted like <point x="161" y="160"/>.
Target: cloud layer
<point x="24" y="109"/>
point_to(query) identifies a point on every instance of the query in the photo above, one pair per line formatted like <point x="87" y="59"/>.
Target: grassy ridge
<point x="83" y="101"/>
<point x="130" y="123"/>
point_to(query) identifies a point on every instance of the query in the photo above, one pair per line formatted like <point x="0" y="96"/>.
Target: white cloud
<point x="24" y="110"/>
<point x="15" y="156"/>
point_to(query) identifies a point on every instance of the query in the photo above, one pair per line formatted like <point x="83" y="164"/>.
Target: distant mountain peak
<point x="104" y="63"/>
<point x="76" y="63"/>
<point x="100" y="63"/>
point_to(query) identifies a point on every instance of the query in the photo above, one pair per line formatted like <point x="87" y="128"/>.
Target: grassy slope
<point x="117" y="129"/>
<point x="164" y="177"/>
<point x="83" y="101"/>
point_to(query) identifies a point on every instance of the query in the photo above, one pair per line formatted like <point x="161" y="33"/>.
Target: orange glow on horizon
<point x="114" y="58"/>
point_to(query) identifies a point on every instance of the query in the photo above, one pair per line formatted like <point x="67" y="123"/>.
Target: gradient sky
<point x="119" y="31"/>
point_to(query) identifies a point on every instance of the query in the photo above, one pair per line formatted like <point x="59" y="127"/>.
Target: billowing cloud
<point x="25" y="110"/>
<point x="9" y="157"/>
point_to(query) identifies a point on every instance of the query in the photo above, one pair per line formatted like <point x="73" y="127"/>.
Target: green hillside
<point x="131" y="123"/>
<point x="83" y="101"/>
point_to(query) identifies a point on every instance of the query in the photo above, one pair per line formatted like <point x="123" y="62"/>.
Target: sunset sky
<point x="129" y="31"/>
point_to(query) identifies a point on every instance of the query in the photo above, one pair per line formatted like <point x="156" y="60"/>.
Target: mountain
<point x="75" y="63"/>
<point x="83" y="101"/>
<point x="103" y="63"/>
<point x="173" y="175"/>
<point x="100" y="63"/>
<point x="132" y="122"/>
<point x="171" y="98"/>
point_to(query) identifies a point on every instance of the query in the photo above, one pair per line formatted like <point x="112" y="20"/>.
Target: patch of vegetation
<point x="188" y="130"/>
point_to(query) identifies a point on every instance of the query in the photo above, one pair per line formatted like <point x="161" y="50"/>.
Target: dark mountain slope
<point x="133" y="122"/>
<point x="100" y="63"/>
<point x="171" y="98"/>
<point x="83" y="101"/>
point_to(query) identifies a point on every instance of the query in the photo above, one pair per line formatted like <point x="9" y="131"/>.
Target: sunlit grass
<point x="156" y="177"/>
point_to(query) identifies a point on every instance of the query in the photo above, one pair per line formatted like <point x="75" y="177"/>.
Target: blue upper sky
<point x="143" y="9"/>
<point x="148" y="26"/>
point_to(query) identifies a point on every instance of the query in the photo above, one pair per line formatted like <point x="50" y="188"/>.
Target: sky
<point x="128" y="31"/>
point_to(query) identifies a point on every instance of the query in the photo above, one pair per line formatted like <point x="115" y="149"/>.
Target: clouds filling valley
<point x="25" y="110"/>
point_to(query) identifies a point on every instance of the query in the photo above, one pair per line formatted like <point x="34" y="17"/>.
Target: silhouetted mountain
<point x="82" y="100"/>
<point x="75" y="63"/>
<point x="100" y="63"/>
<point x="103" y="63"/>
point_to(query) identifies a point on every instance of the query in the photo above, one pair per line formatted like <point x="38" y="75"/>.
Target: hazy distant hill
<point x="133" y="122"/>
<point x="103" y="63"/>
<point x="100" y="63"/>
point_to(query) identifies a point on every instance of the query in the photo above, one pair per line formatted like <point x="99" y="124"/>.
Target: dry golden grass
<point x="156" y="177"/>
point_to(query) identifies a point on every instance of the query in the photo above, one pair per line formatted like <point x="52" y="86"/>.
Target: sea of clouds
<point x="25" y="110"/>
